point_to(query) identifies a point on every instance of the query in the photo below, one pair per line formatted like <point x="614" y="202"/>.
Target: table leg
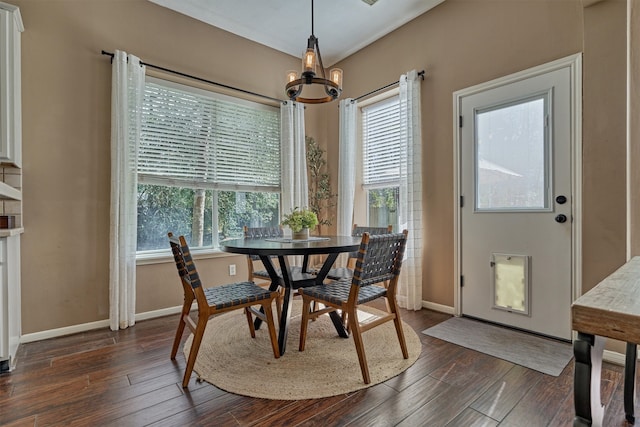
<point x="588" y="350"/>
<point x="275" y="284"/>
<point x="630" y="382"/>
<point x="285" y="316"/>
<point x="322" y="274"/>
<point x="337" y="323"/>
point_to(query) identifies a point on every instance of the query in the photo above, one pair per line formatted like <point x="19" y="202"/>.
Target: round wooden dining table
<point x="282" y="248"/>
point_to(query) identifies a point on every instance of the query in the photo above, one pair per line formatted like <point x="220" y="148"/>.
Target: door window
<point x="511" y="156"/>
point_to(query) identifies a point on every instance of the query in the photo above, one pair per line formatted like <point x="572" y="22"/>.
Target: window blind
<point x="381" y="143"/>
<point x="190" y="138"/>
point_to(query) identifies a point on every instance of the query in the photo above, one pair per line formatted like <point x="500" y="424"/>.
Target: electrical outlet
<point x="232" y="269"/>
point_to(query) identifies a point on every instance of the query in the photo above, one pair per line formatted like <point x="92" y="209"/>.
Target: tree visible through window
<point x="381" y="161"/>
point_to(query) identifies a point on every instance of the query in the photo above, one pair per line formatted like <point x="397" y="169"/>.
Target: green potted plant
<point x="300" y="221"/>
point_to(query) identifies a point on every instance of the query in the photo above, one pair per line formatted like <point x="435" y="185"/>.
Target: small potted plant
<point x="300" y="221"/>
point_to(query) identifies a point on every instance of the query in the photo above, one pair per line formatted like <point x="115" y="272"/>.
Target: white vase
<point x="301" y="235"/>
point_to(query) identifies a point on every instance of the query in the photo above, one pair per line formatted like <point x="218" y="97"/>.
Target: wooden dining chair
<point x="259" y="276"/>
<point x="346" y="273"/>
<point x="379" y="260"/>
<point x="215" y="300"/>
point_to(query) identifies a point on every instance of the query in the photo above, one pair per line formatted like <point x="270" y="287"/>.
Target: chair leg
<point x="357" y="339"/>
<point x="181" y="324"/>
<point x="195" y="347"/>
<point x="306" y="307"/>
<point x="393" y="308"/>
<point x="279" y="301"/>
<point x="252" y="329"/>
<point x="345" y="321"/>
<point x="268" y="312"/>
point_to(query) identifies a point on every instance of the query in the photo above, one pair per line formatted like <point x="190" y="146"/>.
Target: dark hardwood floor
<point x="125" y="378"/>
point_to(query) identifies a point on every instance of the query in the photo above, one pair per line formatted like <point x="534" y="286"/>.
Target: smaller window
<point x="381" y="161"/>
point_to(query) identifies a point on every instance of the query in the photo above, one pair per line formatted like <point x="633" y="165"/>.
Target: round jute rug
<point x="233" y="361"/>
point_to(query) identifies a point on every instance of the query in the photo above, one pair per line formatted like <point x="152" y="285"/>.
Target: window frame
<point x="155" y="256"/>
<point x="361" y="215"/>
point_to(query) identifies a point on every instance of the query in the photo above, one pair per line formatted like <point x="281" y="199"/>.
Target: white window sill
<point x="163" y="257"/>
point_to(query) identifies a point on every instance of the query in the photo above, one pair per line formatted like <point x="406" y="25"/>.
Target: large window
<point x="207" y="165"/>
<point x="381" y="161"/>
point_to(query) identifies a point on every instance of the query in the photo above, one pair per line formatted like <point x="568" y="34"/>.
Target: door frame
<point x="574" y="64"/>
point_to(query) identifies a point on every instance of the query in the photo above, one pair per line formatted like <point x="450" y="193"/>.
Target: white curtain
<point x="347" y="165"/>
<point x="294" y="188"/>
<point x="410" y="209"/>
<point x="127" y="88"/>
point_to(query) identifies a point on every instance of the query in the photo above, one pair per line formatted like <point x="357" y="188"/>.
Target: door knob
<point x="561" y="218"/>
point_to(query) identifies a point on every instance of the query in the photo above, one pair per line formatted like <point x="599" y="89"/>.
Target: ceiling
<point x="342" y="26"/>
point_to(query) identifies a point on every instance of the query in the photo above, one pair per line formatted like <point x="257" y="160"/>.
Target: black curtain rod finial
<point x="420" y="73"/>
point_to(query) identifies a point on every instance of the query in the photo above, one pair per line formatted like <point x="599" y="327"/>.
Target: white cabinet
<point x="11" y="28"/>
<point x="10" y="154"/>
<point x="10" y="310"/>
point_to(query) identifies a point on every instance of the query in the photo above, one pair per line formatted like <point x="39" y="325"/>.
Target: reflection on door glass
<point x="510" y="282"/>
<point x="511" y="161"/>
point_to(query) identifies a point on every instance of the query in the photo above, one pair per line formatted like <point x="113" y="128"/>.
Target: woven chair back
<point x="262" y="232"/>
<point x="184" y="262"/>
<point x="379" y="258"/>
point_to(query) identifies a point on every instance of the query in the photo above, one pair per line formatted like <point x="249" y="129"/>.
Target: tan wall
<point x="66" y="120"/>
<point x="604" y="140"/>
<point x="459" y="43"/>
<point x="66" y="109"/>
<point x="634" y="129"/>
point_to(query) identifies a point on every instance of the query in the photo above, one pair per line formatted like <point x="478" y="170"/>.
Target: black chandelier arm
<point x="294" y="89"/>
<point x="319" y="58"/>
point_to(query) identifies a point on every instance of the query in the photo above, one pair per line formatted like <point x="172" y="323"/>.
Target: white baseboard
<point x="438" y="307"/>
<point x="68" y="330"/>
<point x="613" y="357"/>
<point x="160" y="313"/>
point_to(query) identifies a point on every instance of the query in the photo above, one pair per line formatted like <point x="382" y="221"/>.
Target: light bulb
<point x="335" y="75"/>
<point x="291" y="76"/>
<point x="309" y="60"/>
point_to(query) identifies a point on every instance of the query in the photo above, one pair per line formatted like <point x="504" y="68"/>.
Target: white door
<point x="515" y="219"/>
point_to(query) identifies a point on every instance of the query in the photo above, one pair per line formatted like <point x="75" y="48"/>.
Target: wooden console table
<point x="610" y="310"/>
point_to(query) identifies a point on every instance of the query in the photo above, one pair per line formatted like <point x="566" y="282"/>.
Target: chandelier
<point x="322" y="89"/>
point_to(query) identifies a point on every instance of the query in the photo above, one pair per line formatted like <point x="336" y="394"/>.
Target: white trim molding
<point x="447" y="309"/>
<point x="84" y="327"/>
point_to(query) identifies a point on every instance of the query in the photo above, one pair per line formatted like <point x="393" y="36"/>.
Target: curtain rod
<point x="420" y="73"/>
<point x="104" y="52"/>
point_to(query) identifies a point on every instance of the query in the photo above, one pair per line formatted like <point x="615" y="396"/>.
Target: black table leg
<point x="275" y="284"/>
<point x="337" y="323"/>
<point x="322" y="274"/>
<point x="630" y="382"/>
<point x="587" y="350"/>
<point x="285" y="316"/>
